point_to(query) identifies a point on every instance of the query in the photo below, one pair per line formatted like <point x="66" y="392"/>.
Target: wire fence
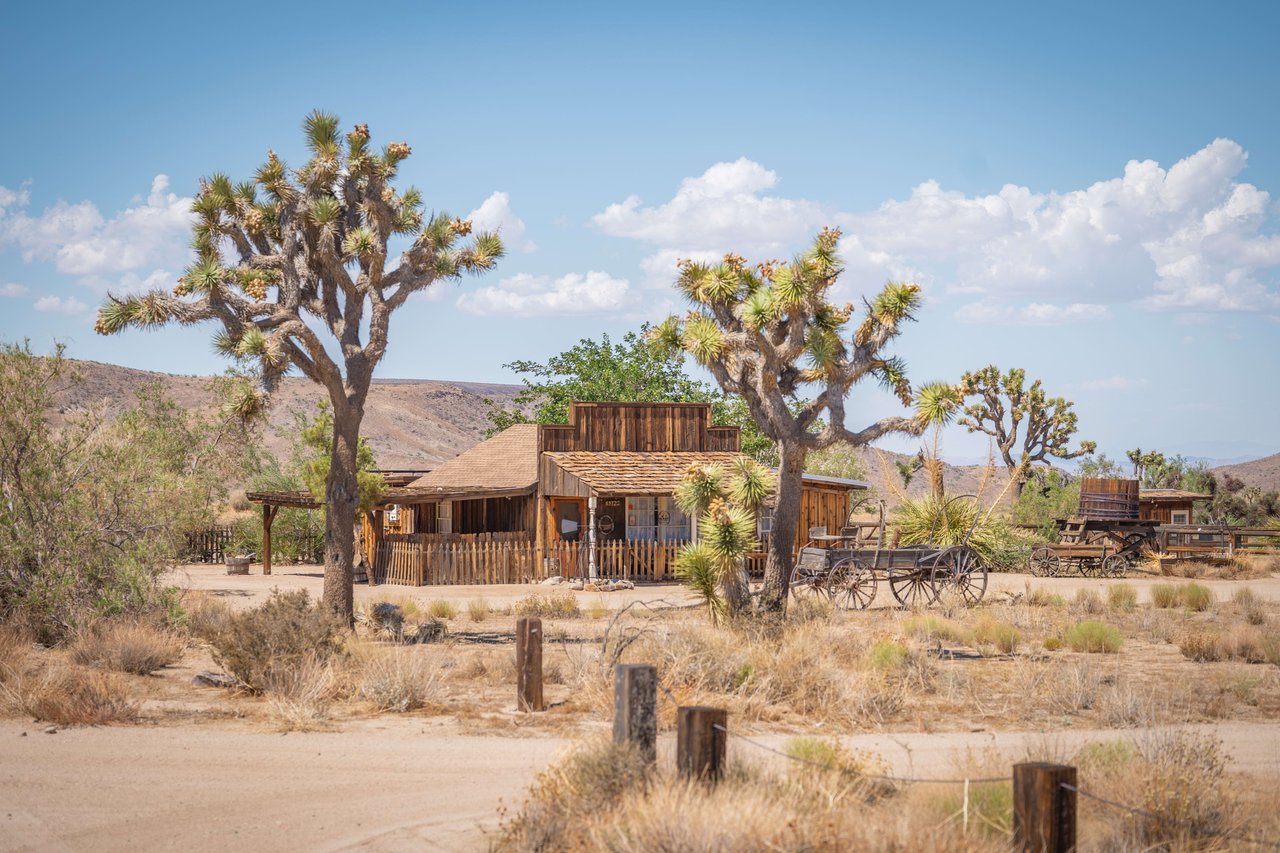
<point x="1197" y="830"/>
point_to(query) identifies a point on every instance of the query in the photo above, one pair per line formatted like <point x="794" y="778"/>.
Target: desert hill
<point x="411" y="424"/>
<point x="1263" y="473"/>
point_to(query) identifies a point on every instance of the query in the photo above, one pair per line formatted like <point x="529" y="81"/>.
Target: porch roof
<point x="632" y="473"/>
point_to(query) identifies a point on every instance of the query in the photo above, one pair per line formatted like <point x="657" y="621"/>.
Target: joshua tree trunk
<point x="782" y="532"/>
<point x="342" y="499"/>
<point x="736" y="588"/>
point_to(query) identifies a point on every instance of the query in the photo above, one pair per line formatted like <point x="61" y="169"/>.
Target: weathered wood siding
<point x="552" y="481"/>
<point x="639" y="427"/>
<point x="494" y="515"/>
<point x="1162" y="512"/>
<point x="822" y="507"/>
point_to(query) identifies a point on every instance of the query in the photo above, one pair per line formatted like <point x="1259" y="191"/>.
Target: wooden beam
<point x="268" y="516"/>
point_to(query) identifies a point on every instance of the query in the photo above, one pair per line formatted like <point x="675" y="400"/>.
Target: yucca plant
<point x="295" y="267"/>
<point x="771" y="335"/>
<point x="726" y="505"/>
<point x="959" y="521"/>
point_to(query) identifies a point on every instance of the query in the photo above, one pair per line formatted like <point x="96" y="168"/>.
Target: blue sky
<point x="1088" y="191"/>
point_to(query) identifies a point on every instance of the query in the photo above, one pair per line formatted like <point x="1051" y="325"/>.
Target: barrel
<point x="1109" y="500"/>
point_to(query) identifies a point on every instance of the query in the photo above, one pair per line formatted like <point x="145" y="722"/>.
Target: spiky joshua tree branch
<point x="770" y="335"/>
<point x="295" y="267"/>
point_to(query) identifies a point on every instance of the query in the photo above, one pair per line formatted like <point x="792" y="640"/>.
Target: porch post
<point x="593" y="571"/>
<point x="268" y="516"/>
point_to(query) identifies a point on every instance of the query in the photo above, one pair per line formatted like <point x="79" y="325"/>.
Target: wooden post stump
<point x="635" y="707"/>
<point x="701" y="733"/>
<point x="1044" y="812"/>
<point x="529" y="664"/>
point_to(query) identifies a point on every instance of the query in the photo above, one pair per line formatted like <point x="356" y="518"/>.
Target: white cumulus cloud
<point x="526" y="295"/>
<point x="132" y="245"/>
<point x="1192" y="237"/>
<point x="11" y="289"/>
<point x="495" y="214"/>
<point x="61" y="305"/>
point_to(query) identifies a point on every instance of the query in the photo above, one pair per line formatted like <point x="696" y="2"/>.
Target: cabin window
<point x="444" y="517"/>
<point x="393" y="513"/>
<point x="656" y="519"/>
<point x="764" y="521"/>
<point x="1180" y="517"/>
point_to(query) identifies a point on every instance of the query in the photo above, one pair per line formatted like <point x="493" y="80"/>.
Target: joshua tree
<point x="1004" y="404"/>
<point x="753" y="327"/>
<point x="726" y="507"/>
<point x="294" y="265"/>
<point x="1143" y="461"/>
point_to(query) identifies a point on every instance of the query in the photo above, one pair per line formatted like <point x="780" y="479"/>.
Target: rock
<point x="213" y="679"/>
<point x="623" y="585"/>
<point x="554" y="580"/>
<point x="52" y="730"/>
<point x="591" y="586"/>
<point x="576" y="585"/>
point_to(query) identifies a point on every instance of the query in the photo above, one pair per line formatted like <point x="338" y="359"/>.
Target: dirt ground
<point x="248" y="590"/>
<point x="202" y="775"/>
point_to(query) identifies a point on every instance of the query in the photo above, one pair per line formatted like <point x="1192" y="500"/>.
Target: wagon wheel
<point x="1045" y="563"/>
<point x="804" y="580"/>
<point x="912" y="587"/>
<point x="1134" y="543"/>
<point x="962" y="569"/>
<point x="1115" y="565"/>
<point x="853" y="585"/>
<point x="1090" y="567"/>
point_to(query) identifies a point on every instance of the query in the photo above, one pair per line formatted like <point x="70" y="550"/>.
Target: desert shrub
<point x="1000" y="635"/>
<point x="887" y="655"/>
<point x="1104" y="756"/>
<point x="1164" y="595"/>
<point x="93" y="508"/>
<point x="556" y="604"/>
<point x="591" y="779"/>
<point x="260" y="645"/>
<point x="1094" y="636"/>
<point x="477" y="609"/>
<point x="1179" y="778"/>
<point x="1088" y="601"/>
<point x="72" y="696"/>
<point x="927" y="626"/>
<point x="1255" y="610"/>
<point x="1121" y="596"/>
<point x="398" y="679"/>
<point x="1075" y="688"/>
<point x="990" y="806"/>
<point x="14" y="647"/>
<point x="828" y="772"/>
<point x="1239" y="643"/>
<point x="300" y="696"/>
<point x="1052" y="644"/>
<point x="810" y="608"/>
<point x="1041" y="597"/>
<point x="1195" y="597"/>
<point x="1200" y="646"/>
<point x="381" y="619"/>
<point x="953" y="522"/>
<point x="442" y="610"/>
<point x="127" y="646"/>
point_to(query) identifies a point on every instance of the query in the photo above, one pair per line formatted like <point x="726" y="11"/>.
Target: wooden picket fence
<point x="640" y="560"/>
<point x="209" y="545"/>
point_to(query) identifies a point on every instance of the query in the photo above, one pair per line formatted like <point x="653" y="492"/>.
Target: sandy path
<point x="392" y="785"/>
<point x="381" y="785"/>
<point x="248" y="590"/>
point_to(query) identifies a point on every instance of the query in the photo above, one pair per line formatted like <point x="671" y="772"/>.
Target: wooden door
<point x="568" y="519"/>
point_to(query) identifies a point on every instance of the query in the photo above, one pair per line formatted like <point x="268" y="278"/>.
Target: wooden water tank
<point x="1109" y="500"/>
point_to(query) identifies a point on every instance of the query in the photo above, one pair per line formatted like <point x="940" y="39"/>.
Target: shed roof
<point x="1171" y="495"/>
<point x="509" y="460"/>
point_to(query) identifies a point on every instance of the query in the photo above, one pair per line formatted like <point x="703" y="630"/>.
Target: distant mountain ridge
<point x="410" y="423"/>
<point x="1263" y="473"/>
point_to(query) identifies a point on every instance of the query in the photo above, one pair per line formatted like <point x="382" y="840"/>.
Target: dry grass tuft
<point x="1095" y="637"/>
<point x="478" y="609"/>
<point x="1122" y="597"/>
<point x="1244" y="643"/>
<point x="1041" y="597"/>
<point x="442" y="610"/>
<point x="300" y="696"/>
<point x="73" y="696"/>
<point x="1088" y="602"/>
<point x="1253" y="607"/>
<point x="989" y="633"/>
<point x="266" y="647"/>
<point x="561" y="605"/>
<point x="1191" y="596"/>
<point x="135" y="647"/>
<point x="398" y="679"/>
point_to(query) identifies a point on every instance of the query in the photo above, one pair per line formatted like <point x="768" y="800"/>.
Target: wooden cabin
<point x="1168" y="506"/>
<point x="520" y="506"/>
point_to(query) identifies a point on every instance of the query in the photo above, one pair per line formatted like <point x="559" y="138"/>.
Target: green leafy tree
<point x="297" y="269"/>
<point x="1101" y="466"/>
<point x="771" y="336"/>
<point x="630" y="370"/>
<point x="727" y="506"/>
<point x="1047" y="498"/>
<point x="316" y="437"/>
<point x="92" y="509"/>
<point x="1026" y="424"/>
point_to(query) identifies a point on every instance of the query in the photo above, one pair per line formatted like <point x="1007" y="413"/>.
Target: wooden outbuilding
<point x="1168" y="506"/>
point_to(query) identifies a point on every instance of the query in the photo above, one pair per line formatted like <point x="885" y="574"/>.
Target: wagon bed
<point x="916" y="574"/>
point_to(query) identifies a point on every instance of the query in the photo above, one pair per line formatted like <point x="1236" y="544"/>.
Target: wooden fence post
<point x="635" y="707"/>
<point x="529" y="664"/>
<point x="1044" y="812"/>
<point x="701" y="733"/>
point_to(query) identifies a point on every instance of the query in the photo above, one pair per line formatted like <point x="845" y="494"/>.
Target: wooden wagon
<point x="1105" y="539"/>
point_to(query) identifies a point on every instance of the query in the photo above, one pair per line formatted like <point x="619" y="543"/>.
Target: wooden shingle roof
<point x="509" y="460"/>
<point x="1171" y="495"/>
<point x="633" y="473"/>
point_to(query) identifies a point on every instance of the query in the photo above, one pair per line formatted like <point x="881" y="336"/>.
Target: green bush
<point x="1093" y="636"/>
<point x="1196" y="597"/>
<point x="1001" y="635"/>
<point x="442" y="609"/>
<point x="257" y="646"/>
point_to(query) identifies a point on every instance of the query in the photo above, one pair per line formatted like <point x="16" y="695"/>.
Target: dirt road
<point x="386" y="784"/>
